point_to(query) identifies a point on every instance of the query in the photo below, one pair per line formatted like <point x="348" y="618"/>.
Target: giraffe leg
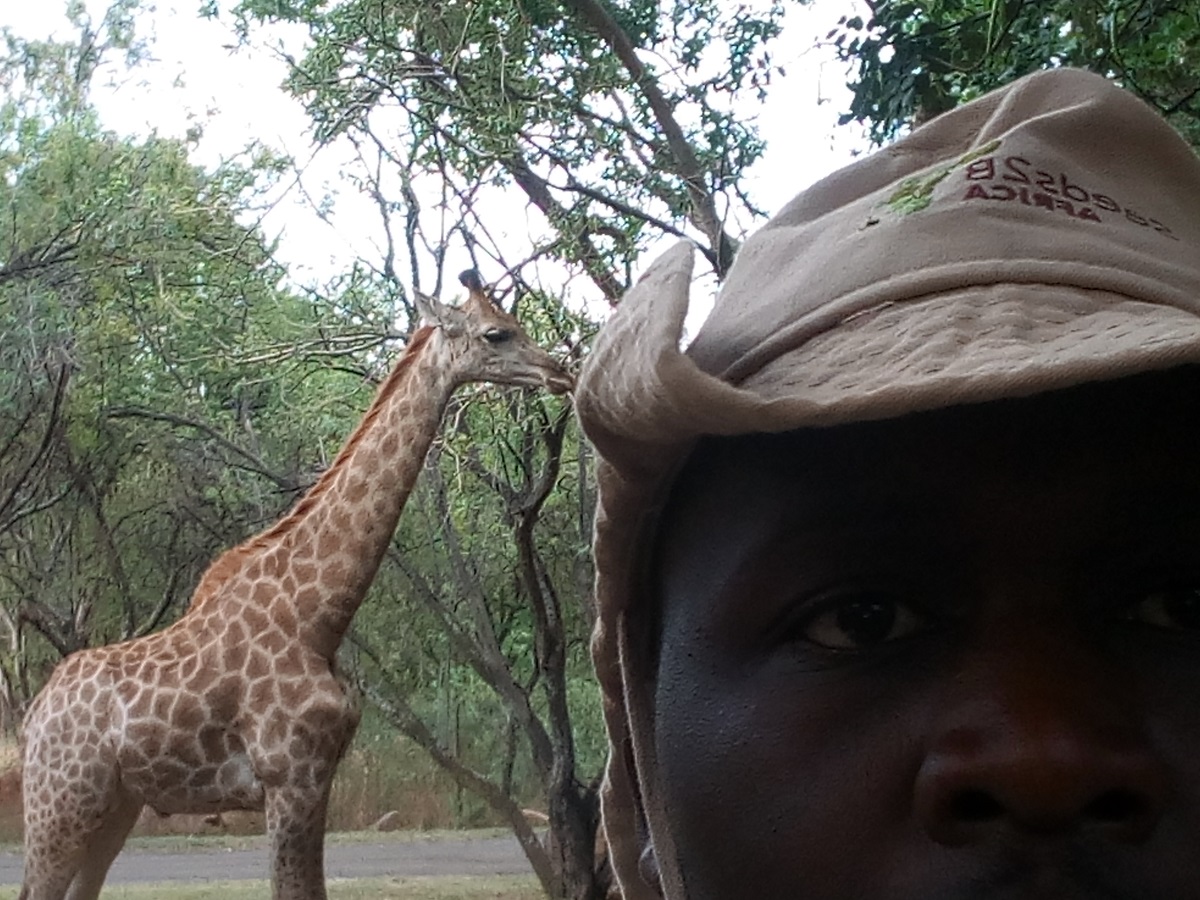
<point x="103" y="845"/>
<point x="45" y="885"/>
<point x="69" y="783"/>
<point x="53" y="854"/>
<point x="57" y="810"/>
<point x="296" y="826"/>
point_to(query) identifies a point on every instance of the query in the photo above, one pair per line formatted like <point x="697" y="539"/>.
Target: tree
<point x="204" y="390"/>
<point x="557" y="100"/>
<point x="169" y="396"/>
<point x="508" y="606"/>
<point x="616" y="124"/>
<point x="913" y="60"/>
<point x="118" y="259"/>
<point x="40" y="252"/>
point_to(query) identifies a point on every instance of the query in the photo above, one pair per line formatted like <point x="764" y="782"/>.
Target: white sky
<point x="196" y="78"/>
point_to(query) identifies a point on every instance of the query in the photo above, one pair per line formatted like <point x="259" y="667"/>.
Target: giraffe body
<point x="239" y="704"/>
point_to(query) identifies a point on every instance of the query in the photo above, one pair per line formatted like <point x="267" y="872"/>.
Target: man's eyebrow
<point x="868" y="523"/>
<point x="855" y="507"/>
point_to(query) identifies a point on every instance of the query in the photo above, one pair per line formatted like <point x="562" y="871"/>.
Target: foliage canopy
<point x="616" y="121"/>
<point x="913" y="59"/>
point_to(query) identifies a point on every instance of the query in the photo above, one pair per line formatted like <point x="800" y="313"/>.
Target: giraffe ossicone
<point x="238" y="704"/>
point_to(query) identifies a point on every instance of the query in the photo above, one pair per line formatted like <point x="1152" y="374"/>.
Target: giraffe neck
<point x="335" y="538"/>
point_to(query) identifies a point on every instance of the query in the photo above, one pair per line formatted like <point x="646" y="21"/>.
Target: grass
<point x="499" y="887"/>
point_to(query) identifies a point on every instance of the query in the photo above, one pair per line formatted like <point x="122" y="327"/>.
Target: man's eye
<point x="861" y="622"/>
<point x="1177" y="609"/>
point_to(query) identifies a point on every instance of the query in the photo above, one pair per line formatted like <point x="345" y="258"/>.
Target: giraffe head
<point x="488" y="344"/>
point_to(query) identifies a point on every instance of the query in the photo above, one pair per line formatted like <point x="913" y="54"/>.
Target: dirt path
<point x="440" y="856"/>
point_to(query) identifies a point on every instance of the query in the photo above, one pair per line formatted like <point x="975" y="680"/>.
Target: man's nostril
<point x="1115" y="806"/>
<point x="975" y="806"/>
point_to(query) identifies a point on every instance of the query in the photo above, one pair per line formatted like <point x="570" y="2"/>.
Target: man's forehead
<point x="1131" y="444"/>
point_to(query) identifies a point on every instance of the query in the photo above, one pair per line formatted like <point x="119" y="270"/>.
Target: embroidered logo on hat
<point x="1014" y="178"/>
<point x="916" y="193"/>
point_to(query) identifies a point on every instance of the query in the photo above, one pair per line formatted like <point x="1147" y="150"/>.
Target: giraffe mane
<point x="229" y="562"/>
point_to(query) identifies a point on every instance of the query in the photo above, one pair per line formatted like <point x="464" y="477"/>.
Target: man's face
<point x="952" y="656"/>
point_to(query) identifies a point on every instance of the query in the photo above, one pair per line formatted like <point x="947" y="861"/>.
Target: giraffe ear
<point x="430" y="309"/>
<point x="439" y="315"/>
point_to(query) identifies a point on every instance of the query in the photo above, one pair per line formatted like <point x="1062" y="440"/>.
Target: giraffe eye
<point x="497" y="335"/>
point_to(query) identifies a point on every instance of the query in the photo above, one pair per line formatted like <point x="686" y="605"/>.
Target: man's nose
<point x="1039" y="742"/>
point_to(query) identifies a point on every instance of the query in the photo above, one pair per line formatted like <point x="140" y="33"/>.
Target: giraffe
<point x="239" y="704"/>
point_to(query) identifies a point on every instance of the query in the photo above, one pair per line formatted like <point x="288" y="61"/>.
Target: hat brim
<point x="971" y="345"/>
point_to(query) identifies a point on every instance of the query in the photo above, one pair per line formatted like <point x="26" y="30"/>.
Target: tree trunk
<point x="573" y="848"/>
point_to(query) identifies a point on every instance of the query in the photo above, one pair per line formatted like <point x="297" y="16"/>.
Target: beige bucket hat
<point x="1045" y="235"/>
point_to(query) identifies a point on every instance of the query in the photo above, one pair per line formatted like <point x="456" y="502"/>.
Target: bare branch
<point x="255" y="464"/>
<point x="483" y="654"/>
<point x="537" y="189"/>
<point x="704" y="212"/>
<point x="397" y="710"/>
<point x="48" y="625"/>
<point x="9" y="510"/>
